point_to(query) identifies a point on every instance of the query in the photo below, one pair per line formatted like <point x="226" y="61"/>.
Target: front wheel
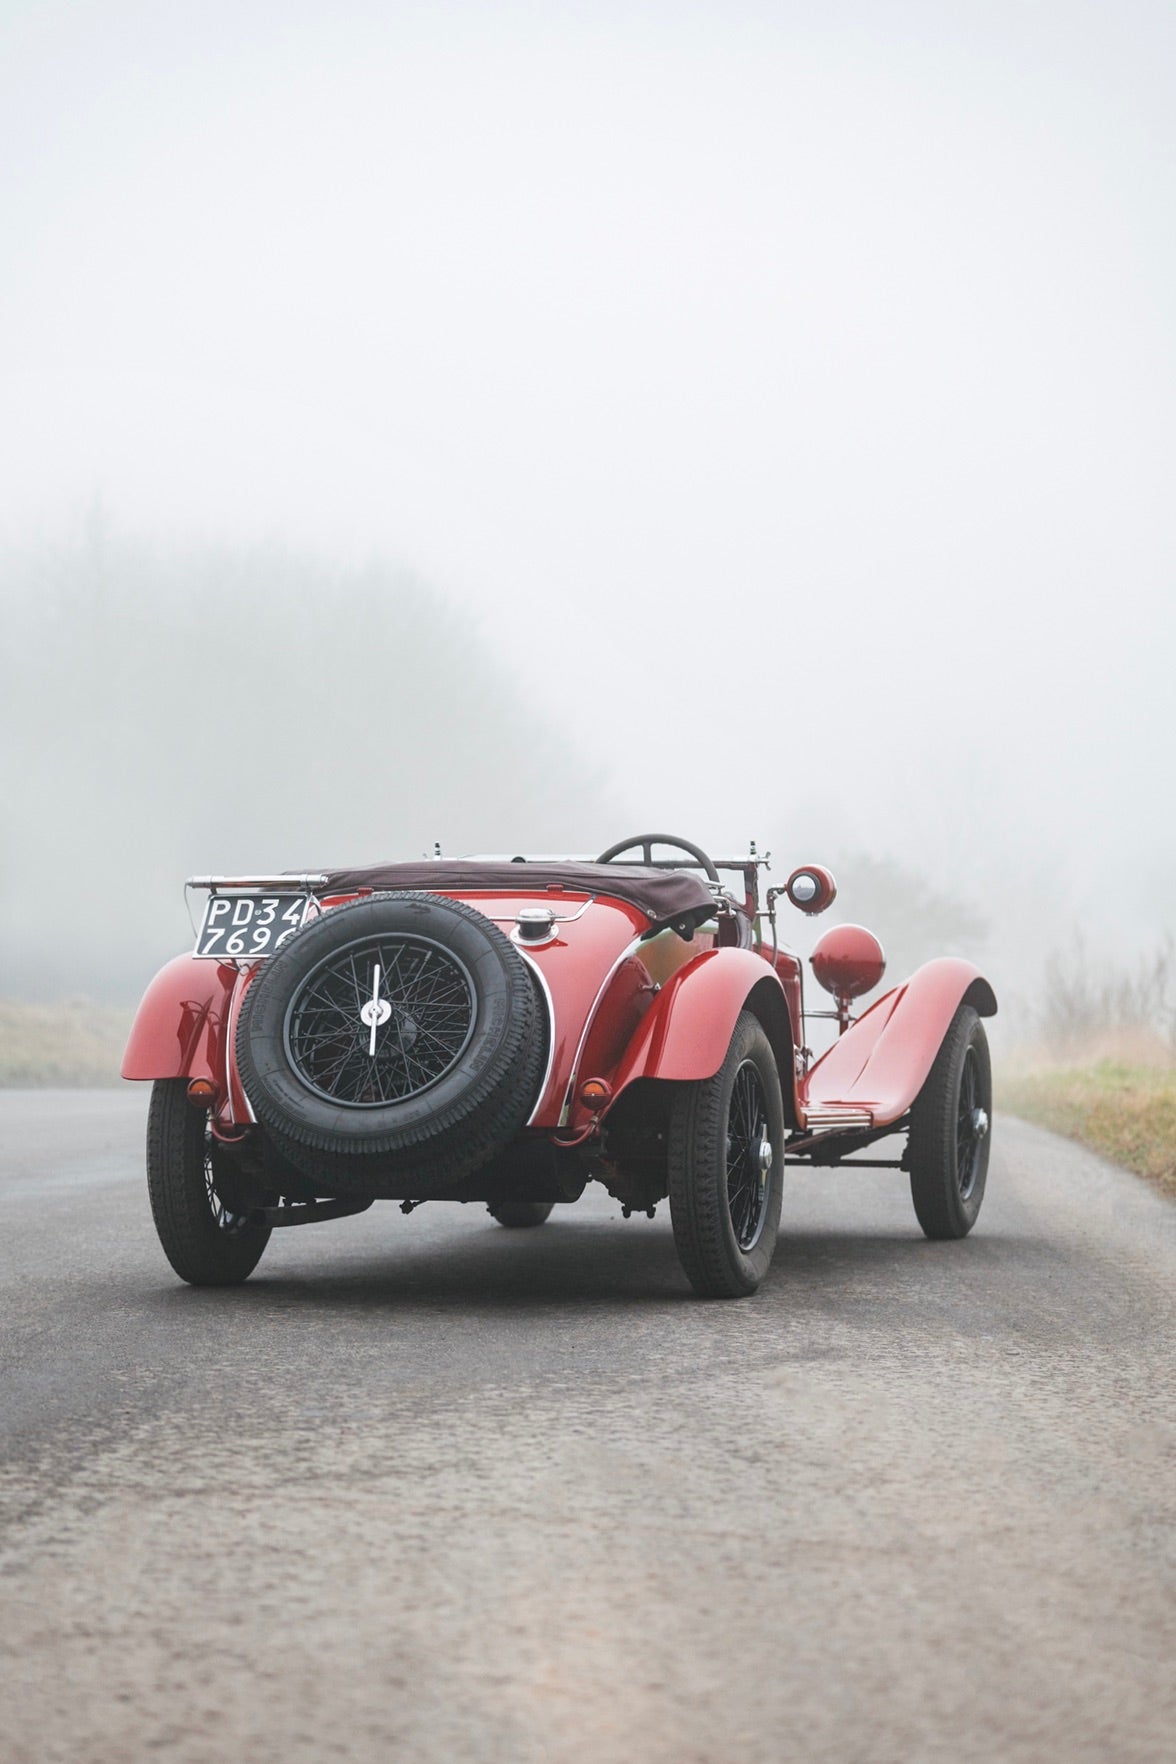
<point x="726" y="1167"/>
<point x="947" y="1152"/>
<point x="206" y="1243"/>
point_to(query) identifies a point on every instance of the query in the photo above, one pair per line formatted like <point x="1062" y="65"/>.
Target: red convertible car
<point x="508" y="1030"/>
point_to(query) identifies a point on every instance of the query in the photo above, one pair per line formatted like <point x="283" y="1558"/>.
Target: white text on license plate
<point x="249" y="925"/>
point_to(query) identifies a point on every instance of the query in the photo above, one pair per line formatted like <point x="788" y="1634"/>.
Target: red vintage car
<point x="507" y="1030"/>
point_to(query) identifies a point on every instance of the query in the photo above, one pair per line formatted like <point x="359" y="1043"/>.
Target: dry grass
<point x="73" y="1044"/>
<point x="1125" y="1109"/>
<point x="1103" y="1069"/>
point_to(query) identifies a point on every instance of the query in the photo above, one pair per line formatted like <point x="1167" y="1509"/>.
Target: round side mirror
<point x="811" y="888"/>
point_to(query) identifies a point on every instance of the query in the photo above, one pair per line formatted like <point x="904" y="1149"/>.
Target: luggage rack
<point x="304" y="883"/>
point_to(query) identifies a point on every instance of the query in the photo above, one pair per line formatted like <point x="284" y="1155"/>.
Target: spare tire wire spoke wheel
<point x="726" y="1167"/>
<point x="947" y="1152"/>
<point x="393" y="1046"/>
<point x="380" y="1021"/>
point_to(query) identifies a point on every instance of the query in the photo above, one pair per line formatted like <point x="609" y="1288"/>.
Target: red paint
<point x="629" y="995"/>
<point x="848" y="960"/>
<point x="687" y="1032"/>
<point x="179" y="1029"/>
<point x="626" y="1006"/>
<point x="187" y="1021"/>
<point x="881" y="1063"/>
<point x="786" y="963"/>
<point x="826" y="888"/>
<point x="601" y="972"/>
<point x="575" y="965"/>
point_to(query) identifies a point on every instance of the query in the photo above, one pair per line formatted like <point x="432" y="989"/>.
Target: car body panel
<point x="627" y="1001"/>
<point x="575" y="963"/>
<point x="600" y="973"/>
<point x="881" y="1063"/>
<point x="790" y="974"/>
<point x="685" y="1035"/>
<point x="180" y="1027"/>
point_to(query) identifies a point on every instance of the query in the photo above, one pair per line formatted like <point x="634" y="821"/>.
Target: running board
<point x="836" y="1118"/>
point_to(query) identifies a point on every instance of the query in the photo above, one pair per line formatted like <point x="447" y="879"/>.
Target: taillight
<point x="595" y="1094"/>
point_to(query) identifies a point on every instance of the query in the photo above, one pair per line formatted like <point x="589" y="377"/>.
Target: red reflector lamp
<point x="202" y="1092"/>
<point x="595" y="1094"/>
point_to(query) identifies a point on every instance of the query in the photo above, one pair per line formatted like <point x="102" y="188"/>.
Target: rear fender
<point x="880" y="1064"/>
<point x="685" y="1034"/>
<point x="180" y="1029"/>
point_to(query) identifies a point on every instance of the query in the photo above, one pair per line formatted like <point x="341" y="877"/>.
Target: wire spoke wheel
<point x="748" y="1146"/>
<point x="971" y="1126"/>
<point x="725" y="1167"/>
<point x="206" y="1241"/>
<point x="948" y="1148"/>
<point x="380" y="1020"/>
<point x="224" y="1220"/>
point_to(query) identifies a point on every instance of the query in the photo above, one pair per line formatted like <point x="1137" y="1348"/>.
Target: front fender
<point x="879" y="1066"/>
<point x="685" y="1034"/>
<point x="180" y="1027"/>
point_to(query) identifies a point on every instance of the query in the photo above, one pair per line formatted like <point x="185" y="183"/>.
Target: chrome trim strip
<point x="471" y="894"/>
<point x="542" y="979"/>
<point x="818" y="1118"/>
<point x="762" y="860"/>
<point x="566" y="1110"/>
<point x="230" y="1046"/>
<point x="300" y="884"/>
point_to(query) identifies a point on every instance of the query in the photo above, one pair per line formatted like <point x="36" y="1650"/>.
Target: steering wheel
<point x="646" y="842"/>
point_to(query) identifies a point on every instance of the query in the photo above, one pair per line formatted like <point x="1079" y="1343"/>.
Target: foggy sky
<point x="785" y="394"/>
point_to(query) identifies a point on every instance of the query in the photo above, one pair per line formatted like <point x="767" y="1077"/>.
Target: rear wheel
<point x="726" y="1167"/>
<point x="206" y="1243"/>
<point x="520" y="1215"/>
<point x="947" y="1152"/>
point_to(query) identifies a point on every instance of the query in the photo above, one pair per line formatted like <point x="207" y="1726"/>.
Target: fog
<point x="522" y="425"/>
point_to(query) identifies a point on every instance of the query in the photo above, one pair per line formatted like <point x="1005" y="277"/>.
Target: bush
<point x="1087" y="1009"/>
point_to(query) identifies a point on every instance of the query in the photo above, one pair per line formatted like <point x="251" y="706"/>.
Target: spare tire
<point x="393" y="1045"/>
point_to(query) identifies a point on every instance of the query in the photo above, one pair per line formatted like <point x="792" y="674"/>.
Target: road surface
<point x="425" y="1489"/>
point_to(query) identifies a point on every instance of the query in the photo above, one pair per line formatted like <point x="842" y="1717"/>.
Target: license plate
<point x="250" y="925"/>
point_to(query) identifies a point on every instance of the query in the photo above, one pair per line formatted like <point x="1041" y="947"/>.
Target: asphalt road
<point x="428" y="1490"/>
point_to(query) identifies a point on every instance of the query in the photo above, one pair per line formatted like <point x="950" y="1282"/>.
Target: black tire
<point x="205" y="1243"/>
<point x="520" y="1215"/>
<point x="724" y="1205"/>
<point x="947" y="1151"/>
<point x="426" y="1111"/>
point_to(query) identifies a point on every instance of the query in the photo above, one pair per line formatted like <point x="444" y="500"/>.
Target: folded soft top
<point x="662" y="895"/>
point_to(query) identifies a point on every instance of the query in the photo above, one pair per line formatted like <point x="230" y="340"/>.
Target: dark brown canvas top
<point x="662" y="895"/>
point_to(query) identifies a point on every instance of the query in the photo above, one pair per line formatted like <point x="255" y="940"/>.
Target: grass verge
<point x="68" y="1045"/>
<point x="1125" y="1112"/>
